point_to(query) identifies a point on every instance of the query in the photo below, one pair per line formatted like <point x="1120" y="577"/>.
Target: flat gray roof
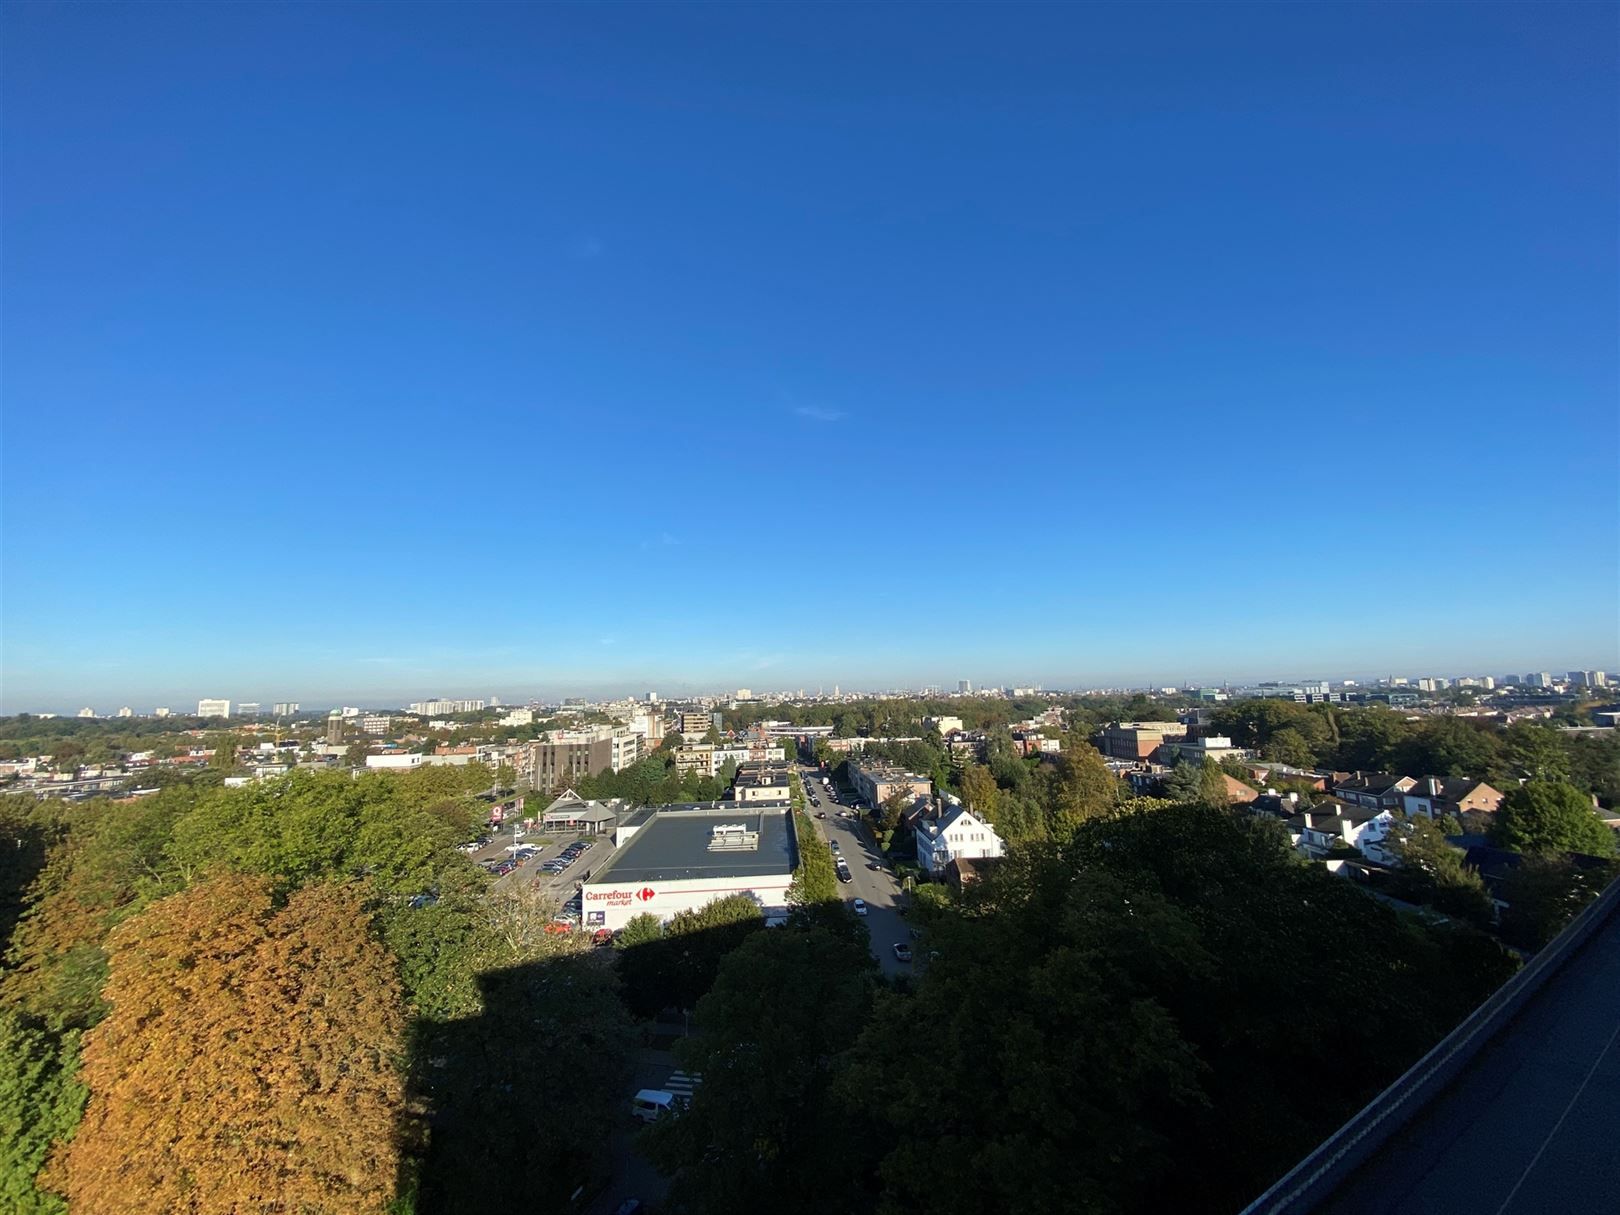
<point x="674" y="845"/>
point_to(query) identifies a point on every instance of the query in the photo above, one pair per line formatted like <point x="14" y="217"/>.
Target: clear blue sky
<point x="374" y="351"/>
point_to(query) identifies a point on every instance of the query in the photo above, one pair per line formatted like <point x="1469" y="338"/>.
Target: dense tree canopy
<point x="251" y="1059"/>
<point x="1551" y="817"/>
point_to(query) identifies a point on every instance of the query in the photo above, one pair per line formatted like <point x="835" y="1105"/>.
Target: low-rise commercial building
<point x="679" y="858"/>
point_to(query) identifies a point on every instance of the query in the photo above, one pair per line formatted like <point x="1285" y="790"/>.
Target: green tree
<point x="1544" y="894"/>
<point x="1432" y="871"/>
<point x="1183" y="782"/>
<point x="766" y="1129"/>
<point x="980" y="792"/>
<point x="1288" y="746"/>
<point x="1550" y="817"/>
<point x="1537" y="752"/>
<point x="1085" y="787"/>
<point x="1212" y="789"/>
<point x="41" y="1101"/>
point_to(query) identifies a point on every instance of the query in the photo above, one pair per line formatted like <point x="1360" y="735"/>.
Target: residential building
<point x="876" y="781"/>
<point x="1538" y="679"/>
<point x="761" y="782"/>
<point x="1437" y="798"/>
<point x="213" y="708"/>
<point x="696" y="723"/>
<point x="162" y="711"/>
<point x="248" y="708"/>
<point x="444" y="708"/>
<point x="963" y="686"/>
<point x="1378" y="790"/>
<point x="1364" y="828"/>
<point x="396" y="761"/>
<point x="707" y="759"/>
<point x="376" y="723"/>
<point x="650" y="725"/>
<point x="944" y="725"/>
<point x="285" y="708"/>
<point x="87" y="713"/>
<point x="518" y="717"/>
<point x="786" y="729"/>
<point x="682" y="858"/>
<point x="956" y="834"/>
<point x="1137" y="739"/>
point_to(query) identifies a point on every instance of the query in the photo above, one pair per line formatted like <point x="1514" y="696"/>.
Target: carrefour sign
<point x="621" y="898"/>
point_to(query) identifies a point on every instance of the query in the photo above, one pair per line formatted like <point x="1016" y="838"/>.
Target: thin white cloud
<point x="817" y="414"/>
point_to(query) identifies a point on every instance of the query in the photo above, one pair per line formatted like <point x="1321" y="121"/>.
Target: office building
<point x="964" y="685"/>
<point x="248" y="708"/>
<point x="565" y="756"/>
<point x="285" y="708"/>
<point x="376" y="724"/>
<point x="213" y="708"/>
<point x="1137" y="740"/>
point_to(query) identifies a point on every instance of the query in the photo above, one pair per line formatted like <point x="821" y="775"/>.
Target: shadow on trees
<point x="520" y="1098"/>
<point x="25" y="839"/>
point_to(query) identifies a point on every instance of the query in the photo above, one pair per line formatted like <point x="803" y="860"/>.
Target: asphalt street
<point x="878" y="887"/>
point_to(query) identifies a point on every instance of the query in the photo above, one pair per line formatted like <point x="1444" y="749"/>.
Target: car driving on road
<point x="858" y="906"/>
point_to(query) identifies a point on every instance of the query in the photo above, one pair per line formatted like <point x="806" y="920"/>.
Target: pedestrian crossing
<point x="683" y="1084"/>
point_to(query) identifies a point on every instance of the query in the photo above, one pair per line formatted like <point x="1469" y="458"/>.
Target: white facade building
<point x="396" y="761"/>
<point x="213" y="708"/>
<point x="958" y="834"/>
<point x="681" y="858"/>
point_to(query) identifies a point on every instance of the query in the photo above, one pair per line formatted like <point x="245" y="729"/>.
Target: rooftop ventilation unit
<point x="733" y="837"/>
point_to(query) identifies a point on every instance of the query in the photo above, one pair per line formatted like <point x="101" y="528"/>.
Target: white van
<point x="651" y="1104"/>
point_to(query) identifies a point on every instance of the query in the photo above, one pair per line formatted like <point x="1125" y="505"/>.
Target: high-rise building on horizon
<point x="443" y="708"/>
<point x="213" y="708"/>
<point x="285" y="708"/>
<point x="248" y="708"/>
<point x="334" y="727"/>
<point x="964" y="685"/>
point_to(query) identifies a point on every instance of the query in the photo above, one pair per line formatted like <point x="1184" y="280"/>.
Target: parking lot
<point x="553" y="864"/>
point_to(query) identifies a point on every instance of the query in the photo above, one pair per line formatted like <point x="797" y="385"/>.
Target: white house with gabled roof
<point x="957" y="834"/>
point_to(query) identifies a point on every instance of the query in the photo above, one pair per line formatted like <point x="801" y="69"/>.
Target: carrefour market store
<point x="680" y="858"/>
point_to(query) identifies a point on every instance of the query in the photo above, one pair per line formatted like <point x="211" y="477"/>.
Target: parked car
<point x="902" y="951"/>
<point x="858" y="906"/>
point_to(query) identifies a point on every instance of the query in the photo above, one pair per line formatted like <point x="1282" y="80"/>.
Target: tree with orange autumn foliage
<point x="249" y="1061"/>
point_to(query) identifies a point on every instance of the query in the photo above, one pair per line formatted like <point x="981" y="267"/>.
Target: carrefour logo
<point x="645" y="893"/>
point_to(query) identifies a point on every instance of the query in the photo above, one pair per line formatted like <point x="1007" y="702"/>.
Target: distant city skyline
<point x="513" y="695"/>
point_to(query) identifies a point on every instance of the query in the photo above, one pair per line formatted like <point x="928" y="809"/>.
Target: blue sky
<point x="377" y="351"/>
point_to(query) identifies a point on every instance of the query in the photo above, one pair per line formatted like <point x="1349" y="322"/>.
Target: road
<point x="1530" y="1126"/>
<point x="877" y="887"/>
